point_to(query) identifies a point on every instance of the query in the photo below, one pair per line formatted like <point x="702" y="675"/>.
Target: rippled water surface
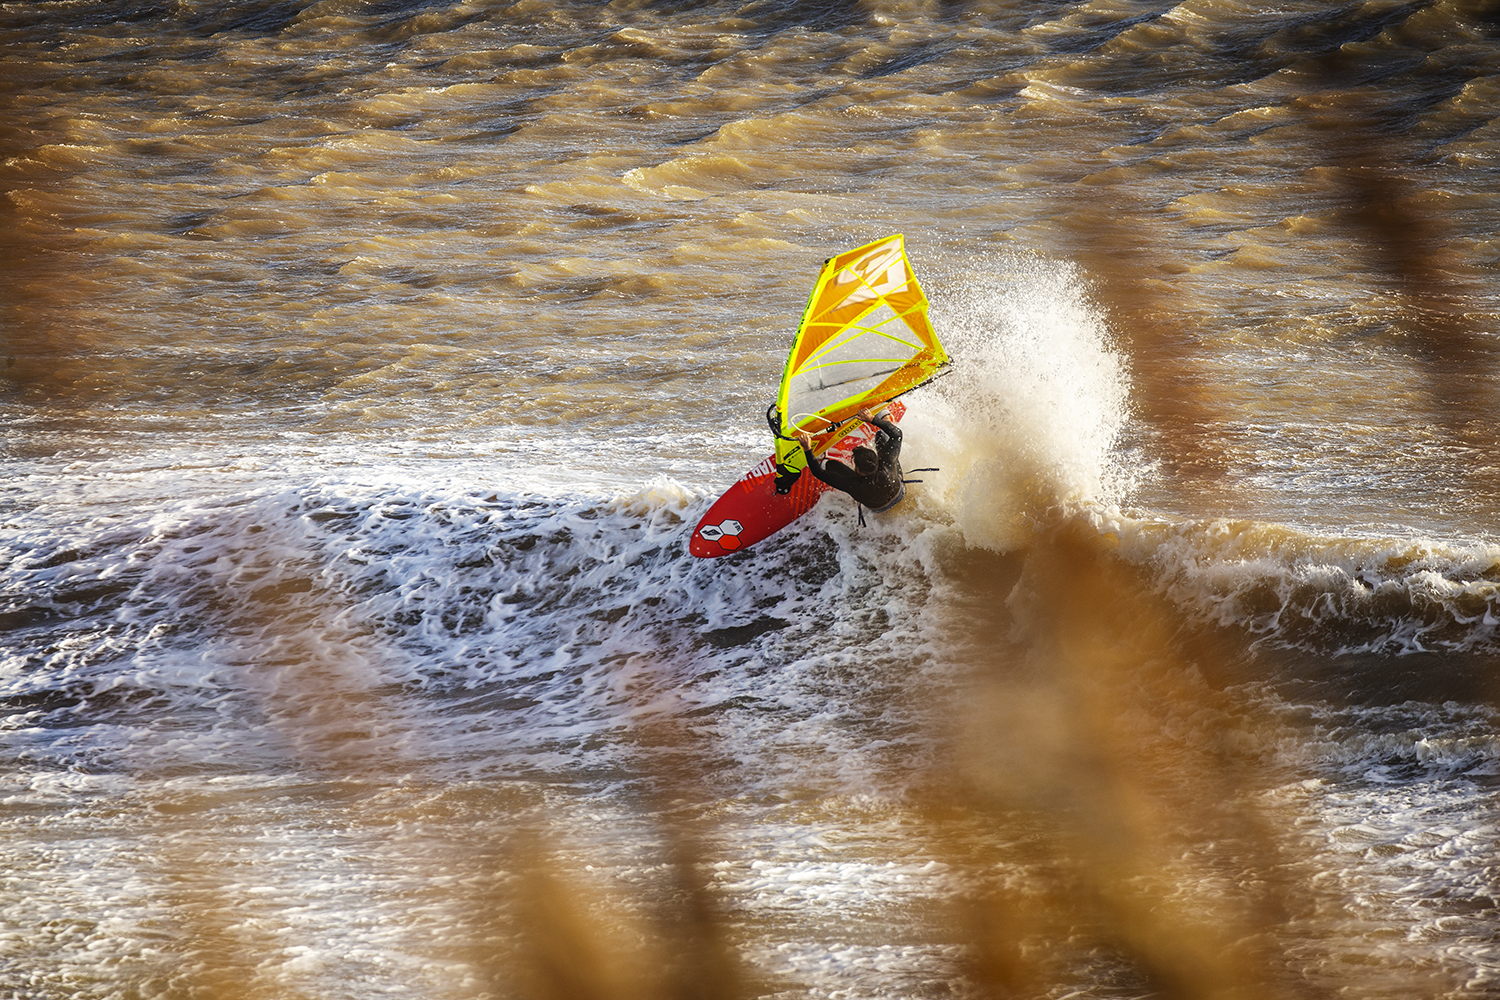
<point x="365" y="366"/>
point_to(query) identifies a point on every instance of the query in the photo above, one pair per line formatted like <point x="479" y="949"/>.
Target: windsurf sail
<point x="864" y="339"/>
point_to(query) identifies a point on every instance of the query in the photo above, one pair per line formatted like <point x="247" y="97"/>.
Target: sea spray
<point x="1028" y="417"/>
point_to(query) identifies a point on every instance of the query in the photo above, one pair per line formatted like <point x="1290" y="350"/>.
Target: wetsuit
<point x="881" y="489"/>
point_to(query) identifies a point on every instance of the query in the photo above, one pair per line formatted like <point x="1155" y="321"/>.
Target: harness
<point x="899" y="497"/>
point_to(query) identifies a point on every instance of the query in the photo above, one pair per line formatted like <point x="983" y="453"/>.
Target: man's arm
<point x="830" y="474"/>
<point x="890" y="430"/>
<point x="813" y="462"/>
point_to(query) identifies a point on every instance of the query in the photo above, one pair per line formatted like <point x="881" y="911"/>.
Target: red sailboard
<point x="751" y="510"/>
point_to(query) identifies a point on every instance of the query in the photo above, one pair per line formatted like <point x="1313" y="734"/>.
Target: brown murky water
<point x="364" y="364"/>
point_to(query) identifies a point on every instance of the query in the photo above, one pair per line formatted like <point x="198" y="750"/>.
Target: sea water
<point x="367" y="364"/>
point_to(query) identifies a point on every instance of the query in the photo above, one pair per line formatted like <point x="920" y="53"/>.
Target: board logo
<point x="726" y="533"/>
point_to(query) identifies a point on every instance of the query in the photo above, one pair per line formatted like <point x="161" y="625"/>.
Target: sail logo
<point x="726" y="533"/>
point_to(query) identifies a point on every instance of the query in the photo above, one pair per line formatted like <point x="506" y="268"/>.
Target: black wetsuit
<point x="881" y="488"/>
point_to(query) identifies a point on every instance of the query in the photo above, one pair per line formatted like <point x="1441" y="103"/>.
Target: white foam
<point x="1332" y="594"/>
<point x="1029" y="416"/>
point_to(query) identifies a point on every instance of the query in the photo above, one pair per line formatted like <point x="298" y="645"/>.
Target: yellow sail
<point x="864" y="339"/>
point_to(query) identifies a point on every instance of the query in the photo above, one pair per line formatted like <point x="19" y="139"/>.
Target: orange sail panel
<point x="864" y="339"/>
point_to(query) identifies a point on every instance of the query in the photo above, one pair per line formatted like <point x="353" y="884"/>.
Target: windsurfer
<point x="875" y="480"/>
